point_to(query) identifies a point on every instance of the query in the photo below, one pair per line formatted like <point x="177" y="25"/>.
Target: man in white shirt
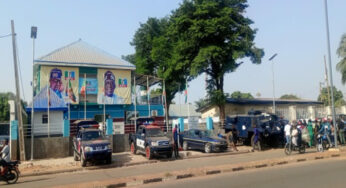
<point x="287" y="130"/>
<point x="5" y="156"/>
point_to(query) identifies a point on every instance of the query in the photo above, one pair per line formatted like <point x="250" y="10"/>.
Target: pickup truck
<point x="91" y="145"/>
<point x="150" y="140"/>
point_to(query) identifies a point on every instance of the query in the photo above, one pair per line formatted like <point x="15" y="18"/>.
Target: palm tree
<point x="341" y="66"/>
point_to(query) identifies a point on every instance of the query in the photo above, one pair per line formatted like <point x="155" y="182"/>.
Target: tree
<point x="289" y="96"/>
<point x="341" y="66"/>
<point x="201" y="103"/>
<point x="211" y="37"/>
<point x="154" y="55"/>
<point x="5" y="107"/>
<point x="240" y="95"/>
<point x="338" y="97"/>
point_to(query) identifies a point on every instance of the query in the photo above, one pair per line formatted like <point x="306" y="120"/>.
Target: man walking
<point x="341" y="130"/>
<point x="175" y="142"/>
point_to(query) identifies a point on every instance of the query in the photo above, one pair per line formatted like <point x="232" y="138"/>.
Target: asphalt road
<point x="316" y="174"/>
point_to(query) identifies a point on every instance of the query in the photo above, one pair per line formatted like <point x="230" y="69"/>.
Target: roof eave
<point x="78" y="64"/>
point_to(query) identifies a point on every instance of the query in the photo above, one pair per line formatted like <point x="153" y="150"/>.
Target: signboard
<point x="118" y="127"/>
<point x="91" y="85"/>
<point x="193" y="122"/>
<point x="62" y="80"/>
<point x="114" y="86"/>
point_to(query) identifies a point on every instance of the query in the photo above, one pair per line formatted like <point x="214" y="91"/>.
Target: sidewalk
<point x="61" y="165"/>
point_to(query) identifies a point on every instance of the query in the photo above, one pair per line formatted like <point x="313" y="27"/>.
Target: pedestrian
<point x="341" y="131"/>
<point x="311" y="132"/>
<point x="287" y="130"/>
<point x="232" y="137"/>
<point x="175" y="142"/>
<point x="256" y="140"/>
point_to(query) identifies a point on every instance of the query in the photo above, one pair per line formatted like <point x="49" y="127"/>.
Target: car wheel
<point x="207" y="148"/>
<point x="185" y="146"/>
<point x="148" y="154"/>
<point x="133" y="148"/>
<point x="82" y="160"/>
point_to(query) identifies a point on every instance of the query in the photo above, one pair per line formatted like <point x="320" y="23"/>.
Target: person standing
<point x="287" y="130"/>
<point x="175" y="142"/>
<point x="311" y="132"/>
<point x="341" y="130"/>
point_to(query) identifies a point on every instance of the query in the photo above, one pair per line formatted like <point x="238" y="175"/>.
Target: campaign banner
<point x="114" y="86"/>
<point x="193" y="122"/>
<point x="62" y="80"/>
<point x="118" y="127"/>
<point x="90" y="85"/>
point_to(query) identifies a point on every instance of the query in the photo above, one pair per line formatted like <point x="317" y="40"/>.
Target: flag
<point x="185" y="93"/>
<point x="83" y="88"/>
<point x="163" y="95"/>
<point x="71" y="95"/>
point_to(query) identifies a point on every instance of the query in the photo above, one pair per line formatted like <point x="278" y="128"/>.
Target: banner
<point x="91" y="85"/>
<point x="114" y="86"/>
<point x="62" y="80"/>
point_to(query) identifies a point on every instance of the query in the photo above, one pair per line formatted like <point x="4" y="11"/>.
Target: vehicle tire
<point x="325" y="145"/>
<point x="258" y="144"/>
<point x="288" y="149"/>
<point x="133" y="148"/>
<point x="185" y="146"/>
<point x="82" y="160"/>
<point x="207" y="148"/>
<point x="302" y="149"/>
<point x="12" y="176"/>
<point x="75" y="156"/>
<point x="109" y="159"/>
<point x="148" y="154"/>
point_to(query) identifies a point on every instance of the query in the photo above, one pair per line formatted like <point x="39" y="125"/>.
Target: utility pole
<point x="33" y="36"/>
<point x="18" y="102"/>
<point x="326" y="79"/>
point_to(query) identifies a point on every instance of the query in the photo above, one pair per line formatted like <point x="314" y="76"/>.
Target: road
<point x="316" y="174"/>
<point x="161" y="167"/>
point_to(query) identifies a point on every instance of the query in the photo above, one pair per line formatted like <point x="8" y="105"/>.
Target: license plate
<point x="98" y="148"/>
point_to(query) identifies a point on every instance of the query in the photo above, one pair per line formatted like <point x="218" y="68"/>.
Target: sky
<point x="293" y="29"/>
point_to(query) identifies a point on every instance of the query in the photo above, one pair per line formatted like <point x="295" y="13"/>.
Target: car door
<point x="140" y="141"/>
<point x="200" y="140"/>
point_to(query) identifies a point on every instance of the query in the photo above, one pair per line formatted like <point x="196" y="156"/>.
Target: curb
<point x="198" y="172"/>
<point x="115" y="165"/>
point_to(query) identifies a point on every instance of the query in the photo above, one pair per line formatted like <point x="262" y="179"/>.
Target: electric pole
<point x="18" y="102"/>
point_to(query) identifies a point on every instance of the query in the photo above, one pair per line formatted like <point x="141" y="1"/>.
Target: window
<point x="44" y="119"/>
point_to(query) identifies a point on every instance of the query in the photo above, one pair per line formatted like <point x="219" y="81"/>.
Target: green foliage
<point x="240" y="95"/>
<point x="289" y="96"/>
<point x="338" y="97"/>
<point x="341" y="66"/>
<point x="201" y="103"/>
<point x="4" y="106"/>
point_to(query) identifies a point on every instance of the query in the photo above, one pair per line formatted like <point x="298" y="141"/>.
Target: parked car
<point x="150" y="140"/>
<point x="91" y="145"/>
<point x="204" y="140"/>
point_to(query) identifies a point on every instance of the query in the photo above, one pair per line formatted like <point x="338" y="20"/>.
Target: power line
<point x="6" y="36"/>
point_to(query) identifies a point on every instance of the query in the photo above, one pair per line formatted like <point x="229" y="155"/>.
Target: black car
<point x="150" y="140"/>
<point x="91" y="145"/>
<point x="204" y="140"/>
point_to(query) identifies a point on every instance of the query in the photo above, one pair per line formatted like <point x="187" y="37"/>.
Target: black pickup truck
<point x="91" y="145"/>
<point x="150" y="140"/>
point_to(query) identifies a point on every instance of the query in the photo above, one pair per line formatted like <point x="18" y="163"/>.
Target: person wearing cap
<point x="5" y="156"/>
<point x="55" y="82"/>
<point x="108" y="96"/>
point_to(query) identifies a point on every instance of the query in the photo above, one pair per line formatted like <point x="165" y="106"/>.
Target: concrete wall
<point x="53" y="147"/>
<point x="121" y="143"/>
<point x="55" y="123"/>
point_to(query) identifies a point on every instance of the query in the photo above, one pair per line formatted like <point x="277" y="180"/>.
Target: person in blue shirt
<point x="325" y="129"/>
<point x="175" y="142"/>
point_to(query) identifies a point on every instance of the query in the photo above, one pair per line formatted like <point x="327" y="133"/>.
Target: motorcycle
<point x="289" y="147"/>
<point x="322" y="143"/>
<point x="12" y="173"/>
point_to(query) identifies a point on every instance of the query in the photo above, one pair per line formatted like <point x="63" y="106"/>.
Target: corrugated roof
<point x="182" y="110"/>
<point x="80" y="53"/>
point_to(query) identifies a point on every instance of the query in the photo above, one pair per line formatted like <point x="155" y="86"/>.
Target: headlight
<point x="154" y="143"/>
<point x="87" y="149"/>
<point x="278" y="128"/>
<point x="106" y="147"/>
<point x="215" y="143"/>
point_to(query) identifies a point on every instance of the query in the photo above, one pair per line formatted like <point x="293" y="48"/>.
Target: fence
<point x="43" y="130"/>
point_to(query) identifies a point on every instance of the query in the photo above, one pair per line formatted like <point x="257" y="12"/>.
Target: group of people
<point x="300" y="130"/>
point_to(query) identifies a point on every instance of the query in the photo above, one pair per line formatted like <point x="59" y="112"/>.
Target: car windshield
<point x="92" y="135"/>
<point x="207" y="133"/>
<point x="154" y="132"/>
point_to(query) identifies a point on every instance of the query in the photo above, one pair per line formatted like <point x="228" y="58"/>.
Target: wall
<point x="55" y="123"/>
<point x="52" y="147"/>
<point x="121" y="143"/>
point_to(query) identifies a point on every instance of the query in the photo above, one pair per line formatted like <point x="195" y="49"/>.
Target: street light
<point x="270" y="59"/>
<point x="33" y="36"/>
<point x="330" y="72"/>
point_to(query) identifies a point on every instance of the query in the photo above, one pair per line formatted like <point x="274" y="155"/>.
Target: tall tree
<point x="212" y="35"/>
<point x="289" y="96"/>
<point x="240" y="95"/>
<point x="338" y="97"/>
<point x="341" y="66"/>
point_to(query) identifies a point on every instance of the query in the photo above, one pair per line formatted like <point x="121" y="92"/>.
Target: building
<point x="288" y="109"/>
